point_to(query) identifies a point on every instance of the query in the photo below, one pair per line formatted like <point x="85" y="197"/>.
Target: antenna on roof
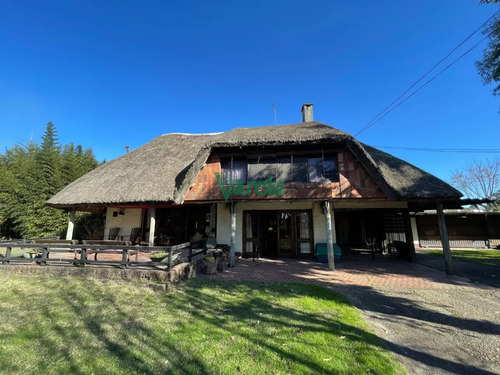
<point x="274" y="110"/>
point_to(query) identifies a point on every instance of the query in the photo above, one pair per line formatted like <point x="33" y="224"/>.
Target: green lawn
<point x="69" y="325"/>
<point x="487" y="257"/>
<point x="16" y="252"/>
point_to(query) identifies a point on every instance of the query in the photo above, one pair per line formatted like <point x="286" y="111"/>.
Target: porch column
<point x="329" y="236"/>
<point x="71" y="224"/>
<point x="409" y="235"/>
<point x="232" y="251"/>
<point x="414" y="231"/>
<point x="152" y="226"/>
<point x="445" y="241"/>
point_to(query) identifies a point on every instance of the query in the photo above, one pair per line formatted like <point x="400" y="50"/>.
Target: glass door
<point x="278" y="233"/>
<point x="303" y="233"/>
<point x="285" y="234"/>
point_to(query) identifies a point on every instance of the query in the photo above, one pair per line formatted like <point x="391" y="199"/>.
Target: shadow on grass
<point x="407" y="312"/>
<point x="252" y="308"/>
<point x="104" y="335"/>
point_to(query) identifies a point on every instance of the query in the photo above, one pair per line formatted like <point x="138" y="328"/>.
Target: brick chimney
<point x="307" y="112"/>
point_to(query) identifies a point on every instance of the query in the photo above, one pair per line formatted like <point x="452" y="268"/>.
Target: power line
<point x="460" y="150"/>
<point x="386" y="110"/>
<point x="425" y="84"/>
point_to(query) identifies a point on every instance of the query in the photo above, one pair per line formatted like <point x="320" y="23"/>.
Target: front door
<point x="278" y="233"/>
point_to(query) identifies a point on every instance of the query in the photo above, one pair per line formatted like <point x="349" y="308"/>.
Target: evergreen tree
<point x="29" y="175"/>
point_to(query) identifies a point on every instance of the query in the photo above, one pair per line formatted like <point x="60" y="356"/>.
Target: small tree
<point x="480" y="179"/>
<point x="489" y="66"/>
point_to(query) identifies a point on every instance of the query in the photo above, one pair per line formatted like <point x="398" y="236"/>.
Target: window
<point x="285" y="169"/>
<point x="234" y="169"/>
<point x="299" y="169"/>
<point x="322" y="169"/>
<point x="260" y="169"/>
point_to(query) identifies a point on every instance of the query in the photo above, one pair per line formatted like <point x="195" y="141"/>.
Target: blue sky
<point x="116" y="73"/>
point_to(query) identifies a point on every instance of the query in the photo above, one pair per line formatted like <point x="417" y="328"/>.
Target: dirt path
<point x="433" y="323"/>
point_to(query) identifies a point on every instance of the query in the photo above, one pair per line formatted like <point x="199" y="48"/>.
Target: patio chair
<point x="113" y="233"/>
<point x="135" y="236"/>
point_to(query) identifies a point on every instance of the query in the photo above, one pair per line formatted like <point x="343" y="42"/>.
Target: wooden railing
<point x="43" y="254"/>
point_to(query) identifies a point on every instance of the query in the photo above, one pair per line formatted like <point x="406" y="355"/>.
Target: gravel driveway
<point x="433" y="323"/>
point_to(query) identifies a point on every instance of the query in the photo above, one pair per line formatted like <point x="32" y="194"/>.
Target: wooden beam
<point x="409" y="236"/>
<point x="445" y="241"/>
<point x="329" y="236"/>
<point x="71" y="224"/>
<point x="232" y="251"/>
<point x="414" y="231"/>
<point x="152" y="226"/>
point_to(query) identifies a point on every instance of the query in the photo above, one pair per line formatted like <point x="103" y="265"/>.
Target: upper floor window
<point x="288" y="169"/>
<point x="322" y="169"/>
<point x="261" y="168"/>
<point x="234" y="169"/>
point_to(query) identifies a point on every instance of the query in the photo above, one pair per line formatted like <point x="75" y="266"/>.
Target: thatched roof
<point x="163" y="170"/>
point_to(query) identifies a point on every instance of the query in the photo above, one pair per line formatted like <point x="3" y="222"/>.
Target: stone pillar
<point x="152" y="226"/>
<point x="71" y="224"/>
<point x="329" y="236"/>
<point x="232" y="260"/>
<point x="445" y="241"/>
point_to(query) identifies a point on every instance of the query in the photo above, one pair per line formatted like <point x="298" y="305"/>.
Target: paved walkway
<point x="433" y="323"/>
<point x="477" y="272"/>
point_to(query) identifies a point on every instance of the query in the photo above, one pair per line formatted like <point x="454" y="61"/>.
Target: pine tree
<point x="29" y="175"/>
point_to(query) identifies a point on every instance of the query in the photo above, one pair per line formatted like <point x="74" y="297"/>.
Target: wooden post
<point x="152" y="226"/>
<point x="124" y="257"/>
<point x="83" y="257"/>
<point x="190" y="256"/>
<point x="45" y="251"/>
<point x="329" y="236"/>
<point x="7" y="255"/>
<point x="232" y="251"/>
<point x="409" y="236"/>
<point x="414" y="231"/>
<point x="170" y="259"/>
<point x="71" y="224"/>
<point x="445" y="241"/>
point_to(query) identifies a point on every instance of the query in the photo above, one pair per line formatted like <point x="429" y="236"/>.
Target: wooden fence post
<point x="43" y="260"/>
<point x="170" y="259"/>
<point x="83" y="257"/>
<point x="7" y="255"/>
<point x="124" y="257"/>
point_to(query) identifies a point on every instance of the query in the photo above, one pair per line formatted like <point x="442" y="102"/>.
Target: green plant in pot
<point x="158" y="257"/>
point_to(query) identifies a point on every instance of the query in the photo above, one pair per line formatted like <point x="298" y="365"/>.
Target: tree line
<point x="29" y="175"/>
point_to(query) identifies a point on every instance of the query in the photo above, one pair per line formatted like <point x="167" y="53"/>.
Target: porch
<point x="273" y="229"/>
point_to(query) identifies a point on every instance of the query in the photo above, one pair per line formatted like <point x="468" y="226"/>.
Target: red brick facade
<point x="355" y="182"/>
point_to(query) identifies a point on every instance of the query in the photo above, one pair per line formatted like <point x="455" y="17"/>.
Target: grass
<point x="485" y="257"/>
<point x="62" y="325"/>
<point x="15" y="252"/>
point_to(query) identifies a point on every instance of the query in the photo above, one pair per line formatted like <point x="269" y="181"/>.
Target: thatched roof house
<point x="164" y="169"/>
<point x="219" y="182"/>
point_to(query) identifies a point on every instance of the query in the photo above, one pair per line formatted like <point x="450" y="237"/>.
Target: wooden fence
<point x="43" y="254"/>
